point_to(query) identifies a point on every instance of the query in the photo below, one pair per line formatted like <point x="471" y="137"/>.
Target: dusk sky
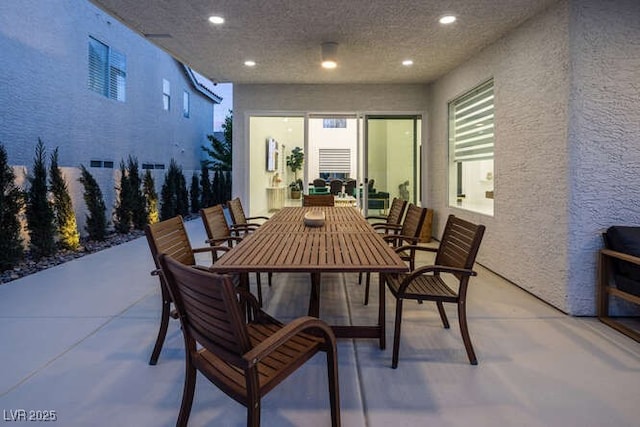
<point x="220" y="111"/>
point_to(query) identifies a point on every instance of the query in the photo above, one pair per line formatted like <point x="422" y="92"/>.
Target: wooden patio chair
<point x="392" y="222"/>
<point x="456" y="256"/>
<point x="335" y="186"/>
<point x="409" y="234"/>
<point x="350" y="187"/>
<point x="318" y="200"/>
<point x="244" y="358"/>
<point x="319" y="183"/>
<point x="170" y="237"/>
<point x="241" y="223"/>
<point x="619" y="275"/>
<point x="219" y="233"/>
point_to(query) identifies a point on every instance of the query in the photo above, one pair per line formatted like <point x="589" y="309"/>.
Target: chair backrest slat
<point x="318" y="200"/>
<point x="208" y="308"/>
<point x="236" y="211"/>
<point x="412" y="224"/>
<point x="170" y="237"/>
<point x="215" y="223"/>
<point x="396" y="211"/>
<point x="460" y="243"/>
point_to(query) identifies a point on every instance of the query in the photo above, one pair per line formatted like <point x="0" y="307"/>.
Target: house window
<point x="185" y="103"/>
<point x="101" y="164"/>
<point x="107" y="70"/>
<point x="334" y="123"/>
<point x="166" y="95"/>
<point x="471" y="137"/>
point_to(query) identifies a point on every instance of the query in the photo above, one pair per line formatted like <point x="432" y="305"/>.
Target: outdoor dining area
<point x="284" y="321"/>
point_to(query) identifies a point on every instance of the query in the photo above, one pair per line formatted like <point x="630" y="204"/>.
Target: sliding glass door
<point x="391" y="161"/>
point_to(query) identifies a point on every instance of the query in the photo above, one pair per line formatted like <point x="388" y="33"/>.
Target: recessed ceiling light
<point x="250" y="63"/>
<point x="447" y="19"/>
<point x="329" y="64"/>
<point x="407" y="62"/>
<point x="216" y="19"/>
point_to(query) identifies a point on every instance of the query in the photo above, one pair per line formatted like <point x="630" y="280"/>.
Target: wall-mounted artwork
<point x="272" y="155"/>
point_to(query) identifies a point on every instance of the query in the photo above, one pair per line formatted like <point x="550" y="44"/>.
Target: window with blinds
<point x="334" y="160"/>
<point x="471" y="145"/>
<point x="471" y="131"/>
<point x="107" y="70"/>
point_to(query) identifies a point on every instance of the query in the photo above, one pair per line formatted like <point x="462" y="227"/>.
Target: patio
<point x="76" y="339"/>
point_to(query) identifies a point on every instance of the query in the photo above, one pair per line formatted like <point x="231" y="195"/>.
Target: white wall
<point x="526" y="239"/>
<point x="604" y="134"/>
<point x="567" y="152"/>
<point x="289" y="132"/>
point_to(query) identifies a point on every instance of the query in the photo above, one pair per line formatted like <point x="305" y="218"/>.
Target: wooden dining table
<point x="345" y="243"/>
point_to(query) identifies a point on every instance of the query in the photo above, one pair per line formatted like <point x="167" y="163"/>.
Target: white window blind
<point x="335" y="160"/>
<point x="471" y="130"/>
<point x="107" y="70"/>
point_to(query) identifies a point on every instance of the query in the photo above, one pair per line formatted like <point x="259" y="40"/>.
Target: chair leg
<point x="253" y="414"/>
<point x="443" y="314"/>
<point x="396" y="334"/>
<point x="259" y="285"/>
<point x="162" y="333"/>
<point x="464" y="330"/>
<point x="334" y="388"/>
<point x="366" y="288"/>
<point x="187" y="393"/>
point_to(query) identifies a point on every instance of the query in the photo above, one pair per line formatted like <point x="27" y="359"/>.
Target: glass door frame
<point x="416" y="151"/>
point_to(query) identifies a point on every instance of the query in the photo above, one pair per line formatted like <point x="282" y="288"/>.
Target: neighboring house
<point x="81" y="81"/>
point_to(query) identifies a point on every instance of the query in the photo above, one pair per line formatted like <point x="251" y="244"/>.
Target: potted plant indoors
<point x="294" y="161"/>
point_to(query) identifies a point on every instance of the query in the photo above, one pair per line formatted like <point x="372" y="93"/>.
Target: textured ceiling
<point x="284" y="36"/>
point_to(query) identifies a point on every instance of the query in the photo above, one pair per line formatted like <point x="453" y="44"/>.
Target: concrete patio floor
<point x="76" y="339"/>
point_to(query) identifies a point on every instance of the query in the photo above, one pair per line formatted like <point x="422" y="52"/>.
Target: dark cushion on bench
<point x="626" y="240"/>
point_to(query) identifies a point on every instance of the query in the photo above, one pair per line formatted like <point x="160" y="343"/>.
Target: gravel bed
<point x="30" y="266"/>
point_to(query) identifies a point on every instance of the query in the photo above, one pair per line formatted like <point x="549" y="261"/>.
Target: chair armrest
<point x="621" y="256"/>
<point x="417" y="248"/>
<point x="247" y="225"/>
<point x="401" y="238"/>
<point x="214" y="251"/>
<point x="433" y="269"/>
<point x="244" y="228"/>
<point x="257" y="217"/>
<point x="387" y="227"/>
<point x="290" y="330"/>
<point x="376" y="217"/>
<point x="224" y="239"/>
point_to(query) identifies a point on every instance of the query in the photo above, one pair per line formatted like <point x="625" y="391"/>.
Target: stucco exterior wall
<point x="248" y="99"/>
<point x="44" y="94"/>
<point x="526" y="239"/>
<point x="604" y="134"/>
